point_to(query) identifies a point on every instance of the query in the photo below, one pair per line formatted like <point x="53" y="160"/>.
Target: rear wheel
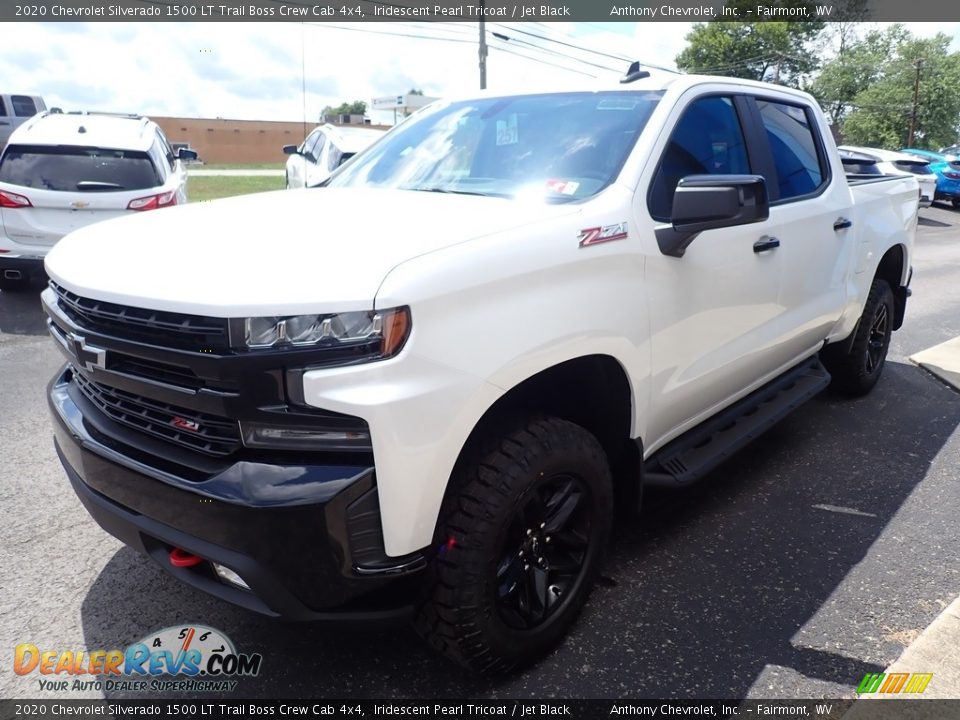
<point x="856" y="371"/>
<point x="520" y="541"/>
<point x="956" y="202"/>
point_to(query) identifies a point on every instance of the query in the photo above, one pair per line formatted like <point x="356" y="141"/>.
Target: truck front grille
<point x="166" y="329"/>
<point x="208" y="434"/>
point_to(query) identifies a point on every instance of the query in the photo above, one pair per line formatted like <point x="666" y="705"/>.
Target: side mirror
<point x="184" y="154"/>
<point x="290" y="150"/>
<point x="705" y="202"/>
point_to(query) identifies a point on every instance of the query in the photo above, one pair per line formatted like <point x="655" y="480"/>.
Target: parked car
<point x="16" y="110"/>
<point x="947" y="170"/>
<point x="951" y="150"/>
<point x="866" y="161"/>
<point x="325" y="149"/>
<point x="516" y="311"/>
<point x="62" y="171"/>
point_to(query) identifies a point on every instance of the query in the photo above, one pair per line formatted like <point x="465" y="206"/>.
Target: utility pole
<point x="483" y="49"/>
<point x="916" y="95"/>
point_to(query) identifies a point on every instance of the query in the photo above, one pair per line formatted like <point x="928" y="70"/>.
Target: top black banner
<point x="474" y="10"/>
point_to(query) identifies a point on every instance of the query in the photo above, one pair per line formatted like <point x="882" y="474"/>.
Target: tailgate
<point x="60" y="188"/>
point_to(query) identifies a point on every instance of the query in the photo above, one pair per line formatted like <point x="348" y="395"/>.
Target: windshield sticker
<point x="507" y="130"/>
<point x="618" y="103"/>
<point x="564" y="187"/>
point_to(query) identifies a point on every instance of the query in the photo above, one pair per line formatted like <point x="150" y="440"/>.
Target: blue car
<point x="947" y="170"/>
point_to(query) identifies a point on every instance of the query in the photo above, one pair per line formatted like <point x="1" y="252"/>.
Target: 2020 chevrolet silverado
<point x="424" y="384"/>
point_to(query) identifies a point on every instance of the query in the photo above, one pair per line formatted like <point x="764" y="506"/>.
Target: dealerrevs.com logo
<point x="187" y="659"/>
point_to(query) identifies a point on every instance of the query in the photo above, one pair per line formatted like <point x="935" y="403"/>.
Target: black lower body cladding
<point x="297" y="533"/>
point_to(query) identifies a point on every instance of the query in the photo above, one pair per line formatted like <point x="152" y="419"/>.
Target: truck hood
<point x="280" y="253"/>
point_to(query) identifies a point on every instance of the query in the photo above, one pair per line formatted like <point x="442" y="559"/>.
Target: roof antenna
<point x="82" y="130"/>
<point x="634" y="73"/>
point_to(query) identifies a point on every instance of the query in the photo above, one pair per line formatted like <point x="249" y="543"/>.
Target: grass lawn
<point x="239" y="166"/>
<point x="211" y="188"/>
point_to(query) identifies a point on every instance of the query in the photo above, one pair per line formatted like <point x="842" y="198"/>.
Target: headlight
<point x="371" y="335"/>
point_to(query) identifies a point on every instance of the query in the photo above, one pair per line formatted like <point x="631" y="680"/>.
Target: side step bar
<point x="692" y="455"/>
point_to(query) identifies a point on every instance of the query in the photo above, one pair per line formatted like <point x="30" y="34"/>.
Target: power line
<point x="542" y="62"/>
<point x="548" y="51"/>
<point x="384" y="32"/>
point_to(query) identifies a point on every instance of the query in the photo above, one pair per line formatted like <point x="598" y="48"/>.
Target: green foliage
<point x="414" y="91"/>
<point x="757" y="50"/>
<point x="868" y="90"/>
<point x="357" y="107"/>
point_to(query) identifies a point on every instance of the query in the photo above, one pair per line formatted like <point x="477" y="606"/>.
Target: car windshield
<point x="72" y="169"/>
<point x="558" y="147"/>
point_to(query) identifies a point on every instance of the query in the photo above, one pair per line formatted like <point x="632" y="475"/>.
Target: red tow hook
<point x="183" y="559"/>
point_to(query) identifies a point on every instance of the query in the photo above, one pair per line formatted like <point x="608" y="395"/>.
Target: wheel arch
<point x="592" y="391"/>
<point x="893" y="268"/>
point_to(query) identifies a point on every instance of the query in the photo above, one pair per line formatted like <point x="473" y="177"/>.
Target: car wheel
<point x="955" y="202"/>
<point x="519" y="542"/>
<point x="856" y="371"/>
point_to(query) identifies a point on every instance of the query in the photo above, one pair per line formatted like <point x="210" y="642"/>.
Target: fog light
<point x="229" y="576"/>
<point x="295" y="438"/>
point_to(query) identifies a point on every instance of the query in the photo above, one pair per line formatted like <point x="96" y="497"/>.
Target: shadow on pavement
<point x="21" y="313"/>
<point x="713" y="584"/>
<point x="923" y="220"/>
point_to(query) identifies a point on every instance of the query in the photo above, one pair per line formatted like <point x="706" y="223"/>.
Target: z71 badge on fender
<point x="607" y="233"/>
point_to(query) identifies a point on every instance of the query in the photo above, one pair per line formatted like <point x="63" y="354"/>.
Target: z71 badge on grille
<point x="607" y="233"/>
<point x="184" y="424"/>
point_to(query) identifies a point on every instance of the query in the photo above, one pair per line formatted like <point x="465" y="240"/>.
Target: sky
<point x="291" y="70"/>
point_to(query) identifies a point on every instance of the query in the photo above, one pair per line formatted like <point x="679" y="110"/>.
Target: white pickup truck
<point x="422" y="388"/>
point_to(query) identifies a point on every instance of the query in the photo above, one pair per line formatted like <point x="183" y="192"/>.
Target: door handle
<point x="842" y="223"/>
<point x="765" y="243"/>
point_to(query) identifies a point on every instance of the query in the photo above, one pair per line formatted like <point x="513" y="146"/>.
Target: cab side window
<point x="800" y="166"/>
<point x="708" y="140"/>
<point x="3" y="109"/>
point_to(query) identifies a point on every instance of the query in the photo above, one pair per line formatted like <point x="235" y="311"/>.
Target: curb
<point x="942" y="360"/>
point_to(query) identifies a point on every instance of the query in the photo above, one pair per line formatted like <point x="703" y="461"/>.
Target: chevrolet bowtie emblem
<point x="88" y="356"/>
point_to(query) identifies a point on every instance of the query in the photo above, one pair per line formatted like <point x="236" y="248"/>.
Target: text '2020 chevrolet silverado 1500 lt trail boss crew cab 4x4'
<point x="425" y="383"/>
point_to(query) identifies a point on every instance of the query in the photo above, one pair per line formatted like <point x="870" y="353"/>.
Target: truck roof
<point x="657" y="80"/>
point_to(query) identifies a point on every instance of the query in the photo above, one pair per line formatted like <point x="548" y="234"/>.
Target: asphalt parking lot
<point x="811" y="558"/>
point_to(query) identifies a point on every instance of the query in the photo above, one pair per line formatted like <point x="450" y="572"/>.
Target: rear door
<point x="811" y="209"/>
<point x="68" y="187"/>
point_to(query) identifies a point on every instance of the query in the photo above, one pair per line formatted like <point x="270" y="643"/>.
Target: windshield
<point x="561" y="147"/>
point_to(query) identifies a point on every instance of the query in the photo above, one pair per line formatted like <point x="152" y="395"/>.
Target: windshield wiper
<point x="457" y="192"/>
<point x="98" y="185"/>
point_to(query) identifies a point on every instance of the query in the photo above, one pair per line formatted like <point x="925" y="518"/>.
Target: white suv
<point x="62" y="171"/>
<point x="325" y="149"/>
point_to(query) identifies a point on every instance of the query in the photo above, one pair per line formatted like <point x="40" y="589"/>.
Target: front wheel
<point x="856" y="371"/>
<point x="520" y="541"/>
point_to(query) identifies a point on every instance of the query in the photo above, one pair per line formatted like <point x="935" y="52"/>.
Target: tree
<point x="357" y="107"/>
<point x="765" y="49"/>
<point x="858" y="65"/>
<point x="415" y="92"/>
<point x="877" y="90"/>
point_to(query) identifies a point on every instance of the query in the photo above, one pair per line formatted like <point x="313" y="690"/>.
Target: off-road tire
<point x="857" y="371"/>
<point x="467" y="611"/>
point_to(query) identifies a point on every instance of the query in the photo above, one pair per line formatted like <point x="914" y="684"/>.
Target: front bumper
<point x="305" y="538"/>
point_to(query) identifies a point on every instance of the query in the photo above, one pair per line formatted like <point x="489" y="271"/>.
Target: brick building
<point x="235" y="141"/>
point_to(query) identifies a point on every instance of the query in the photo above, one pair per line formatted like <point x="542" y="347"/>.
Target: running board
<point x="692" y="455"/>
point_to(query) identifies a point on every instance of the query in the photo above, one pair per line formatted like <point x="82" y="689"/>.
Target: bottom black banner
<point x="453" y="708"/>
